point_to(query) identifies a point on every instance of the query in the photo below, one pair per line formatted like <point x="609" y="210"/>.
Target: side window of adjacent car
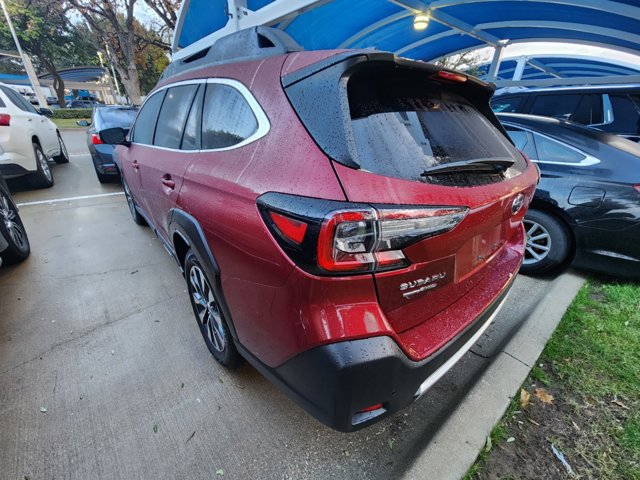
<point x="564" y="106"/>
<point x="553" y="151"/>
<point x="18" y="101"/>
<point x="173" y="114"/>
<point x="227" y="117"/>
<point x="523" y="140"/>
<point x="507" y="104"/>
<point x="145" y="124"/>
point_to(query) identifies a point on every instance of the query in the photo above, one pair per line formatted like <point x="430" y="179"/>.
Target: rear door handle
<point x="135" y="165"/>
<point x="167" y="182"/>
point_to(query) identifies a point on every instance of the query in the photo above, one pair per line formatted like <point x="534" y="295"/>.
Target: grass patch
<point x="68" y="122"/>
<point x="591" y="365"/>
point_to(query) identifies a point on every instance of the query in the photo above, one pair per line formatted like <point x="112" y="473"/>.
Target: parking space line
<point x="68" y="199"/>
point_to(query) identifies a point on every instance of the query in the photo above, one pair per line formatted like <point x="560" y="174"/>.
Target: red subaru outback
<point x="349" y="222"/>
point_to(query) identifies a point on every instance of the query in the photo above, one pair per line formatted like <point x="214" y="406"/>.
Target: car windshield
<point x="117" y="117"/>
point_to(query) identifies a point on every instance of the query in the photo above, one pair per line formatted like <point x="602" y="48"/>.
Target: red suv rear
<point x="349" y="222"/>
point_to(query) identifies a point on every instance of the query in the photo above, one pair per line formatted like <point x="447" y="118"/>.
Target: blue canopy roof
<point x="540" y="67"/>
<point x="454" y="26"/>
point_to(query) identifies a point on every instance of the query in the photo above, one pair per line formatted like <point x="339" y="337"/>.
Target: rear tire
<point x="131" y="203"/>
<point x="63" y="157"/>
<point x="548" y="243"/>
<point x="43" y="177"/>
<point x="12" y="229"/>
<point x="209" y="315"/>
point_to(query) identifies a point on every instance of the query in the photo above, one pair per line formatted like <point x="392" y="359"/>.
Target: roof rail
<point x="248" y="44"/>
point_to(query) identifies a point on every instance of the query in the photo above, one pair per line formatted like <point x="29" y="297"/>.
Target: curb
<point x="458" y="441"/>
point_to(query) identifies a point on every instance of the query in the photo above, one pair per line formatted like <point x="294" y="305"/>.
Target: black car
<point x="611" y="108"/>
<point x="102" y="153"/>
<point x="14" y="244"/>
<point x="586" y="210"/>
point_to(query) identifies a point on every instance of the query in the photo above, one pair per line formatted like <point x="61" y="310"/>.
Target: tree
<point x="46" y="34"/>
<point x="112" y="23"/>
<point x="167" y="11"/>
<point x="151" y="58"/>
<point x="468" y="62"/>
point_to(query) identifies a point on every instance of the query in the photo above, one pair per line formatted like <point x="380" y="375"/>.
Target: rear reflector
<point x="454" y="77"/>
<point x="290" y="228"/>
<point x="5" y="120"/>
<point x="371" y="408"/>
<point x="95" y="139"/>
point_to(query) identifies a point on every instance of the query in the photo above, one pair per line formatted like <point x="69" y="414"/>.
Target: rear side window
<point x="116" y="117"/>
<point x="173" y="114"/>
<point x="227" y="118"/>
<point x="507" y="104"/>
<point x="402" y="127"/>
<point x="523" y="141"/>
<point x="18" y="101"/>
<point x="558" y="106"/>
<point x="553" y="151"/>
<point x="191" y="135"/>
<point x="146" y="121"/>
<point x="626" y="114"/>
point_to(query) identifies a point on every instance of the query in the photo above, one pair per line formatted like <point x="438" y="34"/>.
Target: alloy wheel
<point x="10" y="219"/>
<point x="44" y="165"/>
<point x="207" y="309"/>
<point x="130" y="202"/>
<point x="538" y="242"/>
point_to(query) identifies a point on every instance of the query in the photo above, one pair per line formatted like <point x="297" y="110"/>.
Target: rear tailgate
<point x="403" y="134"/>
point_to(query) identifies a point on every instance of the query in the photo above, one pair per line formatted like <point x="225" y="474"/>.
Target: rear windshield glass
<point x="401" y="128"/>
<point x="117" y="117"/>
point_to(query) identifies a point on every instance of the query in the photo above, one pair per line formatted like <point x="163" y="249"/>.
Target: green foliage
<point x="76" y="113"/>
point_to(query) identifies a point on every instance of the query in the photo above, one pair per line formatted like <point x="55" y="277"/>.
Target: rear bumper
<point x="335" y="382"/>
<point x="102" y="156"/>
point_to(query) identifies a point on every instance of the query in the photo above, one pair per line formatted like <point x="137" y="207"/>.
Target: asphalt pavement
<point x="103" y="373"/>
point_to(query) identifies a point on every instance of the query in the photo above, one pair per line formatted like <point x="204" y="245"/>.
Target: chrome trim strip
<point x="446" y="366"/>
<point x="261" y="117"/>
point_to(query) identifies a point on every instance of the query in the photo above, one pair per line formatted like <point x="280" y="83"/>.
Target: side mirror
<point x="83" y="123"/>
<point x="46" y="112"/>
<point x="114" y="136"/>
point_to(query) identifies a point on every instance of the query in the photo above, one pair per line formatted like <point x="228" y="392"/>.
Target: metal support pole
<point x="520" y="66"/>
<point x="113" y="71"/>
<point x="495" y="63"/>
<point x="28" y="66"/>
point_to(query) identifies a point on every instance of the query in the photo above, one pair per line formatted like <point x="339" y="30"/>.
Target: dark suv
<point x="613" y="109"/>
<point x="349" y="222"/>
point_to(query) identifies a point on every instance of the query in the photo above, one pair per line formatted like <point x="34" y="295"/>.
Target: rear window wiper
<point x="475" y="165"/>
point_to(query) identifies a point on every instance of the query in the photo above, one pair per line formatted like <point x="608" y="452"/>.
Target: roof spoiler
<point x="249" y="44"/>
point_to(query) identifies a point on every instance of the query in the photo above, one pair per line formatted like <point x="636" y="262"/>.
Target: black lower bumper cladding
<point x="337" y="381"/>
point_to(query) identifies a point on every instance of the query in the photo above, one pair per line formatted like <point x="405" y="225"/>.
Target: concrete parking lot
<point x="103" y="373"/>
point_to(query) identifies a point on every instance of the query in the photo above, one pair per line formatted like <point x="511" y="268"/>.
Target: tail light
<point x="95" y="139"/>
<point x="452" y="76"/>
<point x="637" y="187"/>
<point x="332" y="238"/>
<point x="5" y="120"/>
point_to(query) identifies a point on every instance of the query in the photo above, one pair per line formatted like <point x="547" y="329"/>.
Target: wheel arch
<point x="186" y="234"/>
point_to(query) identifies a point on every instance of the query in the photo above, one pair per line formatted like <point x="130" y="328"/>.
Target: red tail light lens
<point x="327" y="237"/>
<point x="290" y="228"/>
<point x="95" y="139"/>
<point x="5" y="120"/>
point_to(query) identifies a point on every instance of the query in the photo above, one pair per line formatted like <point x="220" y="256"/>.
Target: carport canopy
<point x="452" y="26"/>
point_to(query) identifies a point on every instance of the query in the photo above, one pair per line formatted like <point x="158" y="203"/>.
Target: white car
<point x="28" y="139"/>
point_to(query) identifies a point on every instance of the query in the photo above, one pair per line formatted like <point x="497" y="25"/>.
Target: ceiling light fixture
<point x="421" y="21"/>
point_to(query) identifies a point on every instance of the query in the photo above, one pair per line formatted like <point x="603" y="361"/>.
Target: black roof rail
<point x="248" y="44"/>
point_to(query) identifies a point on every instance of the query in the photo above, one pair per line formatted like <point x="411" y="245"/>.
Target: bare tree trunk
<point x="58" y="82"/>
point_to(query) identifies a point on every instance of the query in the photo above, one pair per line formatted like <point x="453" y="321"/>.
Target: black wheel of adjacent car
<point x="63" y="157"/>
<point x="548" y="243"/>
<point x="12" y="230"/>
<point x="208" y="313"/>
<point x="139" y="219"/>
<point x="43" y="177"/>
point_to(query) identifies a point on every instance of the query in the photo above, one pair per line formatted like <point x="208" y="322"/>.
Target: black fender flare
<point x="189" y="229"/>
